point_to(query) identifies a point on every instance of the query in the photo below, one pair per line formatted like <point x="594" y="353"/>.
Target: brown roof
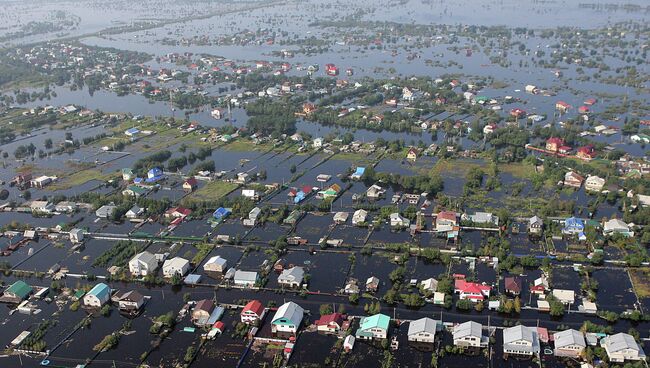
<point x="513" y="284"/>
<point x="205" y="305"/>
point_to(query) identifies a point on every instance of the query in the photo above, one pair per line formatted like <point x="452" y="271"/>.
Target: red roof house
<point x="252" y="312"/>
<point x="471" y="290"/>
<point x="554" y="144"/>
<point x="330" y="323"/>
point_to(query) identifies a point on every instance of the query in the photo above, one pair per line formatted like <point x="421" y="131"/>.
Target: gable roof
<point x="422" y="325"/>
<point x="101" y="291"/>
<point x="513" y="283"/>
<point x="469" y="328"/>
<point x="330" y="318"/>
<point x="517" y="333"/>
<point x="377" y="321"/>
<point x="621" y="341"/>
<point x="569" y="337"/>
<point x="289" y="311"/>
<point x="254" y="306"/>
<point x="20" y="289"/>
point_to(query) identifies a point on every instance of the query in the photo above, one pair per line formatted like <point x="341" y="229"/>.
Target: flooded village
<point x="324" y="184"/>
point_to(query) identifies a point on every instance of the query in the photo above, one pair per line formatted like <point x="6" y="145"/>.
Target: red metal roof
<point x="254" y="306"/>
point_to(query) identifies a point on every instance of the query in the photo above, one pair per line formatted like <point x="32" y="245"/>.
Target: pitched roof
<point x="517" y="333"/>
<point x="204" y="305"/>
<point x="20" y="289"/>
<point x="100" y="290"/>
<point x="513" y="284"/>
<point x="469" y="328"/>
<point x="621" y="341"/>
<point x="289" y="311"/>
<point x="254" y="306"/>
<point x="422" y="325"/>
<point x="569" y="337"/>
<point x="330" y="318"/>
<point x="377" y="321"/>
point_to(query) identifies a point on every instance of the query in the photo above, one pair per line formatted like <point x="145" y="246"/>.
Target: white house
<point x="245" y="278"/>
<point x="359" y="217"/>
<point x="569" y="343"/>
<point x="175" y="266"/>
<point x="287" y="318"/>
<point x="143" y="264"/>
<point x="97" y="296"/>
<point x="469" y="334"/>
<point x="429" y="285"/>
<point x="291" y="277"/>
<point x="215" y="264"/>
<point x="520" y="340"/>
<point x="622" y="347"/>
<point x="617" y="226"/>
<point x="594" y="183"/>
<point x="422" y="330"/>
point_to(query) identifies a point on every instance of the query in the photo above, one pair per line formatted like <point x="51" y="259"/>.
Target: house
<point x="42" y="181"/>
<point x="553" y="144"/>
<point x="131" y="132"/>
<point x="512" y="285"/>
<point x="175" y="266"/>
<point x="245" y="278"/>
<point x="351" y="287"/>
<point x="330" y="323"/>
<point x="397" y="221"/>
<point x="594" y="183"/>
<point x="359" y="217"/>
<point x="485" y="218"/>
<point x="287" y="318"/>
<point x="42" y="207"/>
<point x="97" y="296"/>
<point x="562" y="106"/>
<point x="412" y="154"/>
<point x="253" y="215"/>
<point x="471" y="290"/>
<point x="177" y="212"/>
<point x="221" y="213"/>
<point x="154" y="175"/>
<point x="573" y="179"/>
<point x="105" y="211"/>
<point x="375" y="192"/>
<point x="446" y="220"/>
<point x="330" y="192"/>
<point x="252" y="312"/>
<point x="535" y="225"/>
<point x="564" y="296"/>
<point x="489" y="128"/>
<point x="135" y="191"/>
<point x="341" y="217"/>
<point x="622" y="347"/>
<point x="202" y="311"/>
<point x="127" y="174"/>
<point x="215" y="264"/>
<point x="429" y="285"/>
<point x="573" y="226"/>
<point x="348" y="343"/>
<point x="521" y="340"/>
<point x="65" y="207"/>
<point x="373" y="327"/>
<point x="422" y="330"/>
<point x="18" y="291"/>
<point x="616" y="226"/>
<point x="76" y="235"/>
<point x="540" y="286"/>
<point x="317" y="142"/>
<point x="372" y="284"/>
<point x="358" y="173"/>
<point x="469" y="335"/>
<point x="135" y="212"/>
<point x="131" y="301"/>
<point x="569" y="343"/>
<point x="291" y="277"/>
<point x="143" y="264"/>
<point x="190" y="185"/>
<point x="587" y="152"/>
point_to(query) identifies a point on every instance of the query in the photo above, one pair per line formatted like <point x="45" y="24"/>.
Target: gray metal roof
<point x="621" y="341"/>
<point x="292" y="274"/>
<point x="422" y="325"/>
<point x="568" y="338"/>
<point x="469" y="328"/>
<point x="291" y="311"/>
<point x="517" y="333"/>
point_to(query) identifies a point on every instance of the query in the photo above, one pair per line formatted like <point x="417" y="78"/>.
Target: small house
<point x="202" y="311"/>
<point x="190" y="185"/>
<point x="143" y="264"/>
<point x="569" y="343"/>
<point x="252" y="312"/>
<point x="422" y="330"/>
<point x="512" y="286"/>
<point x="535" y="225"/>
<point x="245" y="278"/>
<point x="469" y="335"/>
<point x="131" y="301"/>
<point x="622" y="347"/>
<point x="594" y="183"/>
<point x="573" y="179"/>
<point x="287" y="318"/>
<point x="175" y="266"/>
<point x="330" y="323"/>
<point x="372" y="284"/>
<point x="359" y="217"/>
<point x="373" y="327"/>
<point x="520" y="340"/>
<point x="18" y="291"/>
<point x="291" y="277"/>
<point x="215" y="264"/>
<point x="99" y="295"/>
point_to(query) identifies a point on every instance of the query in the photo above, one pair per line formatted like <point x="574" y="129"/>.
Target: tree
<point x="464" y="304"/>
<point x="517" y="305"/>
<point x="325" y="309"/>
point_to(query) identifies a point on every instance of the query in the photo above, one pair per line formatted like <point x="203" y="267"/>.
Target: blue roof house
<point x="98" y="295"/>
<point x="221" y="213"/>
<point x="299" y="197"/>
<point x="132" y="132"/>
<point x="358" y="173"/>
<point x="573" y="226"/>
<point x="154" y="175"/>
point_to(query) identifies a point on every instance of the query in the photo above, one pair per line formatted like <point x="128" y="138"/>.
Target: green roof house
<point x="97" y="296"/>
<point x="373" y="327"/>
<point x="19" y="290"/>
